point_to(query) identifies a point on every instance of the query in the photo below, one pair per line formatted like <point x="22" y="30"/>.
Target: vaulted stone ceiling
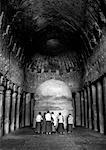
<point x="51" y="27"/>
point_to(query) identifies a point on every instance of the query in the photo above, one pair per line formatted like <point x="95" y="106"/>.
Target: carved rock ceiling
<point x="45" y="11"/>
<point x="49" y="27"/>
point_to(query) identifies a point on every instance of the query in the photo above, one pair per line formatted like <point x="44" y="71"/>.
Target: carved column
<point x="92" y="114"/>
<point x="27" y="109"/>
<point x="100" y="102"/>
<point x="1" y="104"/>
<point x="32" y="107"/>
<point x="18" y="107"/>
<point x="13" y="111"/>
<point x="1" y="109"/>
<point x="23" y="109"/>
<point x="82" y="107"/>
<point x="34" y="122"/>
<point x="78" y="111"/>
<point x="94" y="107"/>
<point x="86" y="108"/>
<point x="97" y="108"/>
<point x="7" y="111"/>
<point x="1" y="80"/>
<point x="74" y="107"/>
<point x="104" y="102"/>
<point x="89" y="108"/>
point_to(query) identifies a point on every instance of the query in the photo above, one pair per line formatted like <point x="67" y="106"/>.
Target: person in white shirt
<point x="70" y="123"/>
<point x="60" y="123"/>
<point x="38" y="122"/>
<point x="48" y="122"/>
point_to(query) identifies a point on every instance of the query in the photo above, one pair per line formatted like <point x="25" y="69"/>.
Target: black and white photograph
<point x="52" y="74"/>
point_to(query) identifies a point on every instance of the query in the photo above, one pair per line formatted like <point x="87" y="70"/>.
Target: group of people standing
<point x="49" y="123"/>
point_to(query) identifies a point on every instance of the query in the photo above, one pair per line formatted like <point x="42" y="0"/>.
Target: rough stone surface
<point x="9" y="66"/>
<point x="96" y="64"/>
<point x="80" y="139"/>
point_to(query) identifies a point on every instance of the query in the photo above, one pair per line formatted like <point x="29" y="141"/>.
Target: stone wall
<point x="9" y="65"/>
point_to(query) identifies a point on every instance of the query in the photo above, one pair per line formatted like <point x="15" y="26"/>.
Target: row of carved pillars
<point x="90" y="106"/>
<point x="15" y="107"/>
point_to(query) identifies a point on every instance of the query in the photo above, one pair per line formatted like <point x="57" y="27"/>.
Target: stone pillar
<point x="1" y="109"/>
<point x="82" y="107"/>
<point x="78" y="111"/>
<point x="32" y="107"/>
<point x="27" y="109"/>
<point x="100" y="102"/>
<point x="1" y="80"/>
<point x="7" y="111"/>
<point x="104" y="102"/>
<point x="18" y="107"/>
<point x="23" y="109"/>
<point x="93" y="87"/>
<point x="86" y="108"/>
<point x="97" y="108"/>
<point x="13" y="111"/>
<point x="92" y="114"/>
<point x="3" y="104"/>
<point x="89" y="108"/>
<point x="34" y="121"/>
<point x="74" y="104"/>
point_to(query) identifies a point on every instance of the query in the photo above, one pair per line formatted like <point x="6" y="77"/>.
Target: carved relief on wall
<point x="61" y="67"/>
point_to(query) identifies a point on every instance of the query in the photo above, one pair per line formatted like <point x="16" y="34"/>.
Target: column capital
<point x="3" y="80"/>
<point x="89" y="83"/>
<point x="8" y="91"/>
<point x="2" y="88"/>
<point x="99" y="84"/>
<point x="14" y="88"/>
<point x="27" y="93"/>
<point x="9" y="85"/>
<point x="14" y="94"/>
<point x="24" y="94"/>
<point x="82" y="95"/>
<point x="93" y="87"/>
<point x="19" y="90"/>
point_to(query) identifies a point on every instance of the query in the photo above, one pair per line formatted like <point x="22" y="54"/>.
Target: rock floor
<point x="80" y="139"/>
